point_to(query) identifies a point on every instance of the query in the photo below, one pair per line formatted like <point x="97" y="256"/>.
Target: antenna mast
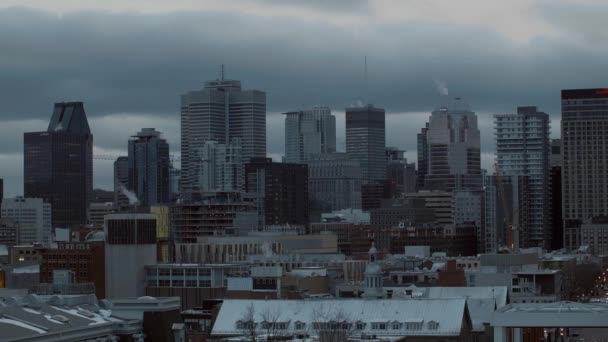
<point x="222" y="74"/>
<point x="365" y="97"/>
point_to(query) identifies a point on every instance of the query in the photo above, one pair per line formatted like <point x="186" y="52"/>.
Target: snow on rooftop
<point x="448" y="313"/>
<point x="22" y="325"/>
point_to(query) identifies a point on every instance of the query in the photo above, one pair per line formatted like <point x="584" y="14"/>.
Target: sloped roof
<point x="481" y="292"/>
<point x="449" y="313"/>
<point x="69" y="117"/>
<point x="556" y="314"/>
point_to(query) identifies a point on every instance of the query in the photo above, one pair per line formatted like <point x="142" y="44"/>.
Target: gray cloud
<point x="138" y="64"/>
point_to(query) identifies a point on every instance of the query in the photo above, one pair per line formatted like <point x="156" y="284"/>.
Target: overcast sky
<point x="129" y="61"/>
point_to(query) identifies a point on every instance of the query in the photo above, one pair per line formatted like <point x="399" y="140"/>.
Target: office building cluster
<point x="223" y="242"/>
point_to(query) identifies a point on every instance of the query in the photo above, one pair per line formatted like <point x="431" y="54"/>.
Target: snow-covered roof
<point x="556" y="314"/>
<point x="448" y="313"/>
<point x="480" y="292"/>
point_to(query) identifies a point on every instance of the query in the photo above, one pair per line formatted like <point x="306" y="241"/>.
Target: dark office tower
<point x="121" y="181"/>
<point x="585" y="155"/>
<point x="281" y="189"/>
<point x="423" y="157"/>
<point x="523" y="148"/>
<point x="58" y="164"/>
<point x="220" y="112"/>
<point x="149" y="167"/>
<point x="453" y="148"/>
<point x="365" y="141"/>
<point x="400" y="176"/>
<point x="555" y="161"/>
<point x="1" y="194"/>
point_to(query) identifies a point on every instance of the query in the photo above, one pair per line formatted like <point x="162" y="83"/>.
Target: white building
<point x="309" y="133"/>
<point x="389" y="319"/>
<point x="220" y="167"/>
<point x="33" y="217"/>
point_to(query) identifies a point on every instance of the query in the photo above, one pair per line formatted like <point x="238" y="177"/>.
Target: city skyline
<point x="514" y="44"/>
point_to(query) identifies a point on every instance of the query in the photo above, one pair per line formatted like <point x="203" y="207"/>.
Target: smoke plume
<point x="442" y="87"/>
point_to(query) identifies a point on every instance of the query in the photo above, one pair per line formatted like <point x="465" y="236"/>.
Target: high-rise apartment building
<point x="309" y="133"/>
<point x="220" y="112"/>
<point x="557" y="223"/>
<point x="585" y="155"/>
<point x="366" y="141"/>
<point x="149" y="167"/>
<point x="58" y="164"/>
<point x="32" y="215"/>
<point x="523" y="149"/>
<point x="423" y="157"/>
<point x="334" y="182"/>
<point x="221" y="168"/>
<point x="281" y="190"/>
<point x="121" y="181"/>
<point x="453" y="148"/>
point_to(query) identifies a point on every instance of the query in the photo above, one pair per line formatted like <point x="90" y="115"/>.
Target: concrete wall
<point x="125" y="274"/>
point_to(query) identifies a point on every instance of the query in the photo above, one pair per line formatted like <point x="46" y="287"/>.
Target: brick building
<point x="84" y="259"/>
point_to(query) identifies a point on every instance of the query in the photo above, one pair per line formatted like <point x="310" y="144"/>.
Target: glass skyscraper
<point x="585" y="159"/>
<point x="149" y="167"/>
<point x="453" y="148"/>
<point x="58" y="164"/>
<point x="366" y="141"/>
<point x="309" y="133"/>
<point x="220" y="112"/>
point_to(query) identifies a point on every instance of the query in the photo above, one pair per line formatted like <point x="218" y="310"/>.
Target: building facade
<point x="523" y="149"/>
<point x="334" y="182"/>
<point x="33" y="216"/>
<point x="58" y="164"/>
<point x="400" y="174"/>
<point x="220" y="112"/>
<point x="281" y="191"/>
<point x="121" y="181"/>
<point x="221" y="167"/>
<point x="149" y="167"/>
<point x="309" y="133"/>
<point x="366" y="141"/>
<point x="453" y="148"/>
<point x="584" y="133"/>
<point x="9" y="232"/>
<point x="130" y="245"/>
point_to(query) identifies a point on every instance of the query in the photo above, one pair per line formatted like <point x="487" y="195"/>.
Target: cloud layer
<point x="130" y="61"/>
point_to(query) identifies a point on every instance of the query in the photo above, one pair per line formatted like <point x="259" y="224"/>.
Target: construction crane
<point x="512" y="229"/>
<point x="173" y="158"/>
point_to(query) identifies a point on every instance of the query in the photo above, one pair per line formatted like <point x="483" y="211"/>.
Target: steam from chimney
<point x="442" y="87"/>
<point x="130" y="195"/>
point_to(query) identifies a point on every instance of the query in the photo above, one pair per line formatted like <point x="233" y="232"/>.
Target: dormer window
<point x="360" y="325"/>
<point x="300" y="325"/>
<point x="433" y="325"/>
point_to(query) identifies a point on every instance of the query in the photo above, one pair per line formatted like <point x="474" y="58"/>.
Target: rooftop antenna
<point x="222" y="72"/>
<point x="365" y="80"/>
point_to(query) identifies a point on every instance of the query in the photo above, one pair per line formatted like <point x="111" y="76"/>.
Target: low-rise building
<point x="359" y="319"/>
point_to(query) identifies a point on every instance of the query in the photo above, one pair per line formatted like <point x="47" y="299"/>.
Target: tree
<point x="271" y="324"/>
<point x="332" y="324"/>
<point x="247" y="323"/>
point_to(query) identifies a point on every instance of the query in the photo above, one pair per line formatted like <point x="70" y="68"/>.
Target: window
<point x="360" y="325"/>
<point x="379" y="326"/>
<point x="433" y="325"/>
<point x="396" y="325"/>
<point x="300" y="325"/>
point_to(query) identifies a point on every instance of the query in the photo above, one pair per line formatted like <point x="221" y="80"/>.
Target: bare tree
<point x="332" y="324"/>
<point x="247" y="323"/>
<point x="271" y="324"/>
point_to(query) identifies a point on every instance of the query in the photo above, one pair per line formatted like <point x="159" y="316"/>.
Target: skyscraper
<point x="423" y="157"/>
<point x="585" y="155"/>
<point x="309" y="133"/>
<point x="220" y="112"/>
<point x="523" y="149"/>
<point x="365" y="141"/>
<point x="400" y="175"/>
<point x="334" y="183"/>
<point x="281" y="189"/>
<point x="149" y="167"/>
<point x="557" y="223"/>
<point x="58" y="164"/>
<point x="121" y="181"/>
<point x="453" y="148"/>
<point x="1" y="194"/>
<point x="221" y="168"/>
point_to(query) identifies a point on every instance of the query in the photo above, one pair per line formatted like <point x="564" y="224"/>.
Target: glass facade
<point x="58" y="164"/>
